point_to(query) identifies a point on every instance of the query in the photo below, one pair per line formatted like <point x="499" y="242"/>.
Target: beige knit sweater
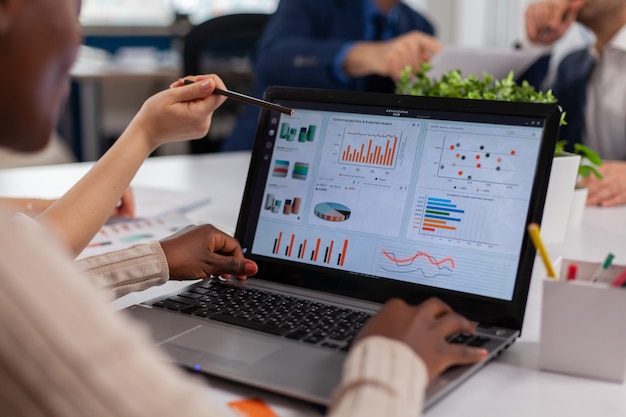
<point x="65" y="353"/>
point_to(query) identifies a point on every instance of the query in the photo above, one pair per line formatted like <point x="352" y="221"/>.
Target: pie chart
<point x="332" y="212"/>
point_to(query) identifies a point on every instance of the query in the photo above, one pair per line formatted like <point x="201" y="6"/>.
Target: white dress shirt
<point x="605" y="110"/>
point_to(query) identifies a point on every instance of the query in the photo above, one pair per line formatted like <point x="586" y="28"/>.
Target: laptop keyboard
<point x="278" y="314"/>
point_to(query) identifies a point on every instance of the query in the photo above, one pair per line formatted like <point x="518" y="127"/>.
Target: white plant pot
<point x="579" y="202"/>
<point x="556" y="212"/>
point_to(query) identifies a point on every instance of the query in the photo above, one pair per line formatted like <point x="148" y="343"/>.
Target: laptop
<point x="353" y="200"/>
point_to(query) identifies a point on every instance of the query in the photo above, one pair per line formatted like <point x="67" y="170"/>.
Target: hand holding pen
<point x="245" y="99"/>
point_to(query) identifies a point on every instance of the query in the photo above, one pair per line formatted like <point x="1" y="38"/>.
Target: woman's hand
<point x="126" y="206"/>
<point x="33" y="207"/>
<point x="609" y="191"/>
<point x="202" y="251"/>
<point x="425" y="329"/>
<point x="181" y="113"/>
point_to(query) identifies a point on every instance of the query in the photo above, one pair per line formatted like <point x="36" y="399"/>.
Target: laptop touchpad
<point x="228" y="345"/>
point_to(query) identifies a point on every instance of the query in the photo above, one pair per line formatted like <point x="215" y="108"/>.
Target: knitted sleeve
<point x="382" y="377"/>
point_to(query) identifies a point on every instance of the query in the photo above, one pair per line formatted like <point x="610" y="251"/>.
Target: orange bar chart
<point x="370" y="153"/>
<point x="321" y="252"/>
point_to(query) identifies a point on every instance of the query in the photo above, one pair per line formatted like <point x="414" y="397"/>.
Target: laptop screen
<point x="416" y="194"/>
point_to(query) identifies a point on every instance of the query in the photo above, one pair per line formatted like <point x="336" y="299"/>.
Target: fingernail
<point x="206" y="85"/>
<point x="250" y="269"/>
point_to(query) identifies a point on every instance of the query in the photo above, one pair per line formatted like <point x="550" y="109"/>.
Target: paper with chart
<point x="160" y="213"/>
<point x="495" y="61"/>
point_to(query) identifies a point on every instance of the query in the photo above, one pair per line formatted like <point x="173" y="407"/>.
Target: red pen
<point x="620" y="280"/>
<point x="571" y="272"/>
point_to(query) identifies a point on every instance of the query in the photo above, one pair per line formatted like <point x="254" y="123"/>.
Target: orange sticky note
<point x="252" y="407"/>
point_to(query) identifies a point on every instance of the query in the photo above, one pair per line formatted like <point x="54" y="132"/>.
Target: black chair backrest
<point x="223" y="46"/>
<point x="221" y="38"/>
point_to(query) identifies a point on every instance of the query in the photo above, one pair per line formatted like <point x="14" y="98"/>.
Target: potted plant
<point x="590" y="160"/>
<point x="588" y="165"/>
<point x="567" y="167"/>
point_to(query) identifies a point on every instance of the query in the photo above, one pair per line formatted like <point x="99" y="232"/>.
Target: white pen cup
<point x="583" y="330"/>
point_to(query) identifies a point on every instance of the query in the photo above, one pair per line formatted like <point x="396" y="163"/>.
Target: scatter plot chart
<point x="476" y="159"/>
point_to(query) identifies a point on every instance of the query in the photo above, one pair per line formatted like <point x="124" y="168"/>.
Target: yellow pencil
<point x="533" y="231"/>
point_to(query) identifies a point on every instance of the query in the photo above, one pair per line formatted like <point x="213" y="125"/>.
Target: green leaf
<point x="585" y="170"/>
<point x="560" y="147"/>
<point x="587" y="153"/>
<point x="453" y="84"/>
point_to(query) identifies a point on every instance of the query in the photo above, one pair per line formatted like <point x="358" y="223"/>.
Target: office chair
<point x="223" y="46"/>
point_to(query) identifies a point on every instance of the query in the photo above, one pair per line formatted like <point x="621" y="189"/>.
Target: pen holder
<point x="583" y="324"/>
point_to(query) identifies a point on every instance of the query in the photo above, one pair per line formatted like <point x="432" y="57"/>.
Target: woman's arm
<point x="192" y="253"/>
<point x="64" y="353"/>
<point x="33" y="207"/>
<point x="177" y="114"/>
<point x="30" y="206"/>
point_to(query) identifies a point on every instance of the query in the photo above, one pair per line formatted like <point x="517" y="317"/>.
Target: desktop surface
<point x="511" y="385"/>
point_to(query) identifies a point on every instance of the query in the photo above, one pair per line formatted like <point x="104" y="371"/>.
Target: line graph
<point x="402" y="261"/>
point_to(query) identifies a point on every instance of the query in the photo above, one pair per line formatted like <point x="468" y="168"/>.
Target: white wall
<point x="487" y="23"/>
<point x="476" y="23"/>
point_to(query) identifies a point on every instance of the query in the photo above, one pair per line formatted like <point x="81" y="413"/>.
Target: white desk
<point x="511" y="385"/>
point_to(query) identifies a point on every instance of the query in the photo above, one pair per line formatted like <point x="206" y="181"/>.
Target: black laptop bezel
<point x="486" y="310"/>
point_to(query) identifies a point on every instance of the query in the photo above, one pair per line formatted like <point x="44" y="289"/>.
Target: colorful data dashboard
<point x="417" y="200"/>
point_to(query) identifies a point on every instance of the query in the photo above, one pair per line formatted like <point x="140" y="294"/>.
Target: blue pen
<point x="603" y="267"/>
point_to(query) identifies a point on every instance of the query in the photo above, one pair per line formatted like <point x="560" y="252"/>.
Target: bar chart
<point x="317" y="250"/>
<point x="301" y="133"/>
<point x="461" y="218"/>
<point x="377" y="150"/>
<point x="441" y="214"/>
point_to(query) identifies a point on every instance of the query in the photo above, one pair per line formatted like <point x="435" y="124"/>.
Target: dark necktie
<point x="380" y="25"/>
<point x="570" y="89"/>
<point x="375" y="83"/>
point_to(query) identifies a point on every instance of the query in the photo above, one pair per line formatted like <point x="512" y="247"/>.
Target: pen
<point x="250" y="100"/>
<point x="620" y="280"/>
<point x="572" y="270"/>
<point x="603" y="267"/>
<point x="533" y="231"/>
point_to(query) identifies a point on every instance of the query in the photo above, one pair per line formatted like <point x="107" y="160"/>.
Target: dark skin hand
<point x="425" y="328"/>
<point x="202" y="251"/>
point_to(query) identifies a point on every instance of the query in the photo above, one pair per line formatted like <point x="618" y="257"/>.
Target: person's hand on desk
<point x="611" y="189"/>
<point x="425" y="328"/>
<point x="547" y="21"/>
<point x="202" y="251"/>
<point x="390" y="58"/>
<point x="33" y="207"/>
<point x="126" y="206"/>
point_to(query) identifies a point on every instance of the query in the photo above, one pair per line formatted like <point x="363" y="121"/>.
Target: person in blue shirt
<point x="335" y="44"/>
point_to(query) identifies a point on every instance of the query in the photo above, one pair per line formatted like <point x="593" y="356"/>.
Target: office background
<point x="143" y="34"/>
